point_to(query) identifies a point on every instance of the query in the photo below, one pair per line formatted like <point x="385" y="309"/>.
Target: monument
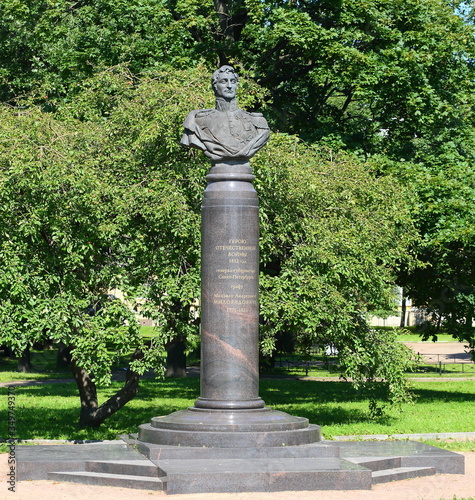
<point x="229" y="411"/>
<point x="229" y="441"/>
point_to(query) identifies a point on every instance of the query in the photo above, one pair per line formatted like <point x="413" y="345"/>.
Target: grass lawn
<point x="403" y="337"/>
<point x="413" y="334"/>
<point x="44" y="366"/>
<point x="50" y="411"/>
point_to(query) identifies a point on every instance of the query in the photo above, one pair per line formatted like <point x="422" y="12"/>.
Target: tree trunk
<point x="232" y="18"/>
<point x="93" y="415"/>
<point x="439" y="322"/>
<point x="24" y="363"/>
<point x="176" y="360"/>
<point x="87" y="395"/>
<point x="64" y="357"/>
<point x="403" y="312"/>
<point x="8" y="351"/>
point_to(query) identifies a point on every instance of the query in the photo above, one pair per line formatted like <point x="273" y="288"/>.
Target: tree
<point x="82" y="213"/>
<point x="389" y="82"/>
<point x="366" y="76"/>
<point x="333" y="236"/>
<point x="369" y="77"/>
<point x="49" y="47"/>
<point x="100" y="195"/>
<point x="444" y="284"/>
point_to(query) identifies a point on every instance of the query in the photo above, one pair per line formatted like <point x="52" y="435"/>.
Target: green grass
<point x="44" y="366"/>
<point x="413" y="334"/>
<point x="341" y="410"/>
<point x="50" y="411"/>
<point x="417" y="338"/>
<point x="148" y="331"/>
<point x="10" y="376"/>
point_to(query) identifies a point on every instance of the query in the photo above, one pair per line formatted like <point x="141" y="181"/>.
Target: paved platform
<point x="329" y="465"/>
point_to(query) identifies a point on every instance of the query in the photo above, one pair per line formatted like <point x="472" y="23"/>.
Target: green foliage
<point x="443" y="179"/>
<point x="100" y="196"/>
<point x="332" y="236"/>
<point x="377" y="77"/>
<point x="376" y="361"/>
<point x="346" y="71"/>
<point x="92" y="206"/>
<point x="50" y="46"/>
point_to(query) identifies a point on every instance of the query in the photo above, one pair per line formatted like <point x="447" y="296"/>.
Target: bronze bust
<point x="226" y="132"/>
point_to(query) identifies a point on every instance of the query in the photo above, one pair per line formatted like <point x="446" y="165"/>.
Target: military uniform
<point x="225" y="132"/>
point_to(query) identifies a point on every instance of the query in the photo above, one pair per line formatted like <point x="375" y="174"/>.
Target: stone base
<point x="229" y="429"/>
<point x="274" y="468"/>
<point x="320" y="466"/>
<point x="263" y="475"/>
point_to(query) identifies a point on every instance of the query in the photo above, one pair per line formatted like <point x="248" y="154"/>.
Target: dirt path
<point x="445" y="352"/>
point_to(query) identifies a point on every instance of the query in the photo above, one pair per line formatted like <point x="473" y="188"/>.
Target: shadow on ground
<point x="51" y="411"/>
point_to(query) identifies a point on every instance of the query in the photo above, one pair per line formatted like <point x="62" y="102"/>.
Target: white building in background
<point x="414" y="315"/>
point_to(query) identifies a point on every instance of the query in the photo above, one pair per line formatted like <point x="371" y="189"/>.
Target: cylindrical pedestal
<point x="229" y="290"/>
<point x="229" y="412"/>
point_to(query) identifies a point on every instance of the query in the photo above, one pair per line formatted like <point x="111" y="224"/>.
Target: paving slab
<point x="436" y="487"/>
<point x="329" y="465"/>
<point x="36" y="462"/>
<point x="412" y="454"/>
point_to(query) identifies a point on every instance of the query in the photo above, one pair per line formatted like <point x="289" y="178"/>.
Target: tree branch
<point x="231" y="23"/>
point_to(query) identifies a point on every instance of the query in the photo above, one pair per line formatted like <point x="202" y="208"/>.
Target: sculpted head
<point x="225" y="82"/>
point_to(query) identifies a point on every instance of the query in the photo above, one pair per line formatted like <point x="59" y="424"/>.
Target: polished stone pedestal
<point x="229" y="290"/>
<point x="229" y="429"/>
<point x="229" y="412"/>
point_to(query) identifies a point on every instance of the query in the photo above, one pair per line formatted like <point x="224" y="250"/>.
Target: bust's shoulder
<point x="243" y="112"/>
<point x="258" y="120"/>
<point x="192" y="116"/>
<point x="203" y="113"/>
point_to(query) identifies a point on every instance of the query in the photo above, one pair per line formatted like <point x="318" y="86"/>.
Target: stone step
<point x="412" y="453"/>
<point x="105" y="479"/>
<point x="399" y="473"/>
<point x="224" y="438"/>
<point x="130" y="439"/>
<point x="377" y="463"/>
<point x="156" y="452"/>
<point x="128" y="467"/>
<point x="259" y="475"/>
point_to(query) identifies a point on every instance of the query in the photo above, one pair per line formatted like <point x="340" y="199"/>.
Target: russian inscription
<point x="236" y="252"/>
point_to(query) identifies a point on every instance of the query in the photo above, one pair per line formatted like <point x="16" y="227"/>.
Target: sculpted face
<point x="226" y="85"/>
